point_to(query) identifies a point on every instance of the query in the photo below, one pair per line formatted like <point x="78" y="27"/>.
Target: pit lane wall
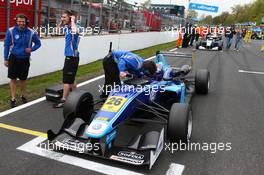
<point x="50" y="58"/>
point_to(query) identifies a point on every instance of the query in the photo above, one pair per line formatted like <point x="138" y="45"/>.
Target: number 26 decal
<point x="114" y="103"/>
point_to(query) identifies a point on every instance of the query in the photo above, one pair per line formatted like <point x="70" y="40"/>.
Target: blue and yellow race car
<point x="151" y="111"/>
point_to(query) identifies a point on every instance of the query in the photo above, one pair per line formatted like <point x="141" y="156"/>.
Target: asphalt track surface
<point x="232" y="112"/>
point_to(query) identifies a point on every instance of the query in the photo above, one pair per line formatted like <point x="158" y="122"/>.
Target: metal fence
<point x="113" y="17"/>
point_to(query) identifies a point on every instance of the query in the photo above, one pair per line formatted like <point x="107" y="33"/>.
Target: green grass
<point x="36" y="86"/>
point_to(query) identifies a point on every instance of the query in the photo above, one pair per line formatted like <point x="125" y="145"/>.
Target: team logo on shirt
<point x="16" y="36"/>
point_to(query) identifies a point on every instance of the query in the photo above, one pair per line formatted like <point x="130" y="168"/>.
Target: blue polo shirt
<point x="128" y="61"/>
<point x="72" y="40"/>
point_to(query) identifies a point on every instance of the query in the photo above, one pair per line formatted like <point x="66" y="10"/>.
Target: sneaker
<point x="60" y="104"/>
<point x="12" y="103"/>
<point x="23" y="99"/>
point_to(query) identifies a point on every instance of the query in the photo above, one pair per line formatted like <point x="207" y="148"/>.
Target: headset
<point x="21" y="15"/>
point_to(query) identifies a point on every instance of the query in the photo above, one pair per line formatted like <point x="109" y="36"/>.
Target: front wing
<point x="142" y="150"/>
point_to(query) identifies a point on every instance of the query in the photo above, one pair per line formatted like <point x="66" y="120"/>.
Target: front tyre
<point x="179" y="127"/>
<point x="79" y="104"/>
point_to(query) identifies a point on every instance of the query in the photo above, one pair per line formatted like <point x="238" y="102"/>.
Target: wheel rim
<point x="208" y="83"/>
<point x="189" y="130"/>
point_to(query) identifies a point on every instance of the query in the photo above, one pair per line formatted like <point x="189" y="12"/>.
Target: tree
<point x="192" y="14"/>
<point x="252" y="12"/>
<point x="207" y="20"/>
<point x="221" y="19"/>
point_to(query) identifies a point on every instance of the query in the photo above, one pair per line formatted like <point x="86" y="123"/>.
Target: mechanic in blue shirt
<point x="17" y="51"/>
<point x="71" y="63"/>
<point x="118" y="64"/>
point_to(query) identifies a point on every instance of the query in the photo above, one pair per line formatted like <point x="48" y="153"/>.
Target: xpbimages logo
<point x="212" y="147"/>
<point x="20" y="2"/>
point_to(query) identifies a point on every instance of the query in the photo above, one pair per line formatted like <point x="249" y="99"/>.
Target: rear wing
<point x="177" y="54"/>
<point x="171" y="54"/>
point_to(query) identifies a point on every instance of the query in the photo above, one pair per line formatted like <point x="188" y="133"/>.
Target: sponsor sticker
<point x="97" y="127"/>
<point x="20" y="2"/>
<point x="16" y="37"/>
<point x="113" y="104"/>
<point x="209" y="42"/>
<point x="129" y="157"/>
<point x="106" y="119"/>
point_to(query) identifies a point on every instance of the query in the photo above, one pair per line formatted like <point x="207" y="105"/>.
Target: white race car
<point x="211" y="42"/>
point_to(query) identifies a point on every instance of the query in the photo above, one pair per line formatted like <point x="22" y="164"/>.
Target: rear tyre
<point x="179" y="127"/>
<point x="79" y="104"/>
<point x="202" y="81"/>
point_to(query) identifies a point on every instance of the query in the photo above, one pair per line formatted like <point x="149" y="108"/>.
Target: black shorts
<point x="18" y="68"/>
<point x="70" y="69"/>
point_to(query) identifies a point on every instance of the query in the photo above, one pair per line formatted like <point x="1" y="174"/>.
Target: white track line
<point x="31" y="147"/>
<point x="175" y="169"/>
<point x="90" y="81"/>
<point x="2" y="114"/>
<point x="250" y="72"/>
